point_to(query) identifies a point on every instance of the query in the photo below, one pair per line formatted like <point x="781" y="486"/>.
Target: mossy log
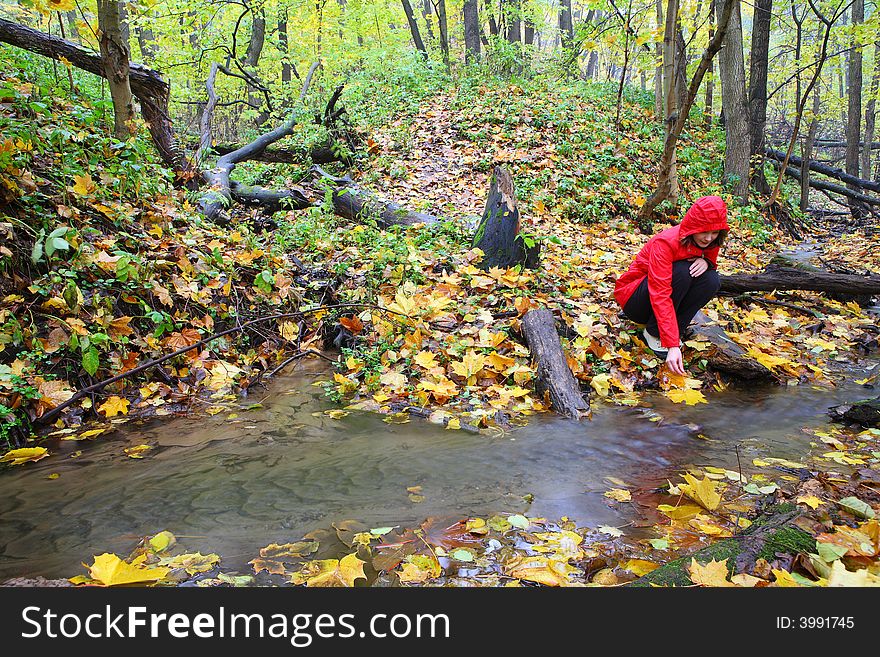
<point x="498" y="233"/>
<point x="726" y="355"/>
<point x="553" y="373"/>
<point x="865" y="413"/>
<point x="764" y="539"/>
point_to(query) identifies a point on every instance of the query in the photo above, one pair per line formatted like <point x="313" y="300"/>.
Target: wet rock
<point x="865" y="413"/>
<point x="36" y="581"/>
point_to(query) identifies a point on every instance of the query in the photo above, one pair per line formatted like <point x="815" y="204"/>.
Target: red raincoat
<point x="708" y="213"/>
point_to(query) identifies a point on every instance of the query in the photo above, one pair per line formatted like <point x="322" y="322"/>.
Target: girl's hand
<point x="674" y="360"/>
<point x="699" y="267"/>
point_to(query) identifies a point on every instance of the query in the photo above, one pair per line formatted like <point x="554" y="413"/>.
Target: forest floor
<point x="106" y="265"/>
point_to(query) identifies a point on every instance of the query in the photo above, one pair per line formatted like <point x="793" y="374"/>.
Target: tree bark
<point x="440" y="6"/>
<point x="733" y="102"/>
<point x="659" y="94"/>
<point x="283" y="44"/>
<point x="251" y="62"/>
<point x="726" y="355"/>
<point x="115" y="56"/>
<point x="553" y="375"/>
<point x="471" y="31"/>
<point x="758" y="91"/>
<point x="669" y="95"/>
<point x="149" y="87"/>
<point x="871" y="114"/>
<point x="512" y="14"/>
<point x="566" y="27"/>
<point x="708" y="110"/>
<point x="681" y="63"/>
<point x="854" y="113"/>
<point x="778" y="277"/>
<point x="427" y="10"/>
<point x="667" y="158"/>
<point x="414" y="29"/>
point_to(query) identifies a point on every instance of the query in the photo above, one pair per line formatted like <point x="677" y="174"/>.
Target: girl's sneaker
<point x="654" y="343"/>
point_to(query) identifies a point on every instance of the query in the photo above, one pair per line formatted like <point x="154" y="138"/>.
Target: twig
<point x="55" y="412"/>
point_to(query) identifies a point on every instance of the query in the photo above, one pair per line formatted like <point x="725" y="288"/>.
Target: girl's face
<point x="703" y="240"/>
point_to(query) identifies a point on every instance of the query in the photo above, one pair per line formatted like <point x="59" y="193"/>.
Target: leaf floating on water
<point x="298" y="549"/>
<point x="138" y="451"/>
<point x="689" y="397"/>
<point x="336" y="414"/>
<point x="462" y="554"/>
<point x="162" y="541"/>
<point x="330" y="572"/>
<point x="640" y="567"/>
<point x="397" y="418"/>
<point x="608" y="529"/>
<point x="24" y="455"/>
<point x="193" y="563"/>
<point x="110" y="570"/>
<point x="702" y="492"/>
<point x="619" y="494"/>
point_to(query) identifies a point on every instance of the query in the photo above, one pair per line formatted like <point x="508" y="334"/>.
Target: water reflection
<point x="233" y="485"/>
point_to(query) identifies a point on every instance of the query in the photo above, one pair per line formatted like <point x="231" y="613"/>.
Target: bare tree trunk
<point x="659" y="103"/>
<point x="427" y="10"/>
<point x="513" y="10"/>
<point x="667" y="158"/>
<point x="528" y="31"/>
<point x="252" y="61"/>
<point x="287" y="69"/>
<point x="854" y="113"/>
<point x="708" y="111"/>
<point x="733" y="103"/>
<point x="808" y="147"/>
<point x="72" y="28"/>
<point x="471" y="31"/>
<point x="115" y="55"/>
<point x="566" y="27"/>
<point x="669" y="95"/>
<point x="414" y="28"/>
<point x="440" y="6"/>
<point x="758" y="91"/>
<point x="680" y="67"/>
<point x="146" y="39"/>
<point x="871" y="113"/>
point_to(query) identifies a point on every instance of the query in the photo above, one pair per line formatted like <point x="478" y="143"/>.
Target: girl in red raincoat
<point x="673" y="276"/>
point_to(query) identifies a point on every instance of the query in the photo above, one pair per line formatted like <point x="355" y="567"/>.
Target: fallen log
<point x="146" y="84"/>
<point x="553" y="374"/>
<point x="795" y="173"/>
<point x="765" y="538"/>
<point x="498" y="233"/>
<point x="318" y="155"/>
<point x="825" y="170"/>
<point x="777" y="277"/>
<point x="360" y="205"/>
<point x="726" y="355"/>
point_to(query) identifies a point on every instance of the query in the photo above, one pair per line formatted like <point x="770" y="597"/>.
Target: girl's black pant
<point x="689" y="294"/>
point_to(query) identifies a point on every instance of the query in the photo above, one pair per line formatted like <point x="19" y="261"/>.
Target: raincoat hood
<point x="707" y="214"/>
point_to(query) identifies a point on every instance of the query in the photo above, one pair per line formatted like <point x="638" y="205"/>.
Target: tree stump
<point x="498" y="233"/>
<point x="727" y="356"/>
<point x="553" y="373"/>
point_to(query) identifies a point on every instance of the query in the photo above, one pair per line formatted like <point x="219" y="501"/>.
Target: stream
<point x="284" y="468"/>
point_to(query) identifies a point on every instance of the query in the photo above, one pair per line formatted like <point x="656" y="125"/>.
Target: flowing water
<point x="232" y="486"/>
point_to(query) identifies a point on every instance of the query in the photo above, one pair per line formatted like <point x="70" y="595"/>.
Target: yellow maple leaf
<point x="701" y="491"/>
<point x="601" y="383"/>
<point x="114" y="406"/>
<point x="619" y="494"/>
<point x="683" y="512"/>
<point x="713" y="573"/>
<point x="84" y="185"/>
<point x="469" y="366"/>
<point x="394" y="380"/>
<point x="23" y="455"/>
<point x="426" y="359"/>
<point x="640" y="567"/>
<point x="689" y="397"/>
<point x="441" y="389"/>
<point x="137" y="452"/>
<point x="110" y="570"/>
<point x="840" y="576"/>
<point x="810" y="500"/>
<point x="784" y="579"/>
<point x="331" y="572"/>
<point x="543" y="570"/>
<point x="402" y="304"/>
